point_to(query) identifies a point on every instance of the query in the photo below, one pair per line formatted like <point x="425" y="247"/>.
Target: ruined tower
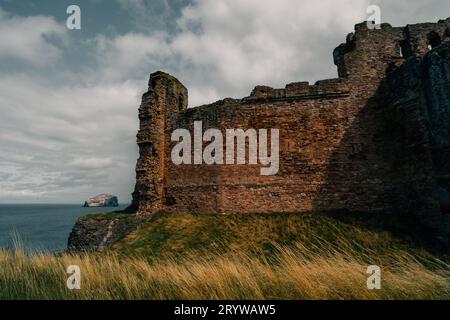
<point x="165" y="96"/>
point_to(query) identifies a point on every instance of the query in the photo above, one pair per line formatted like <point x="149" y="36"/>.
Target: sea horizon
<point x="51" y="203"/>
<point x="42" y="227"/>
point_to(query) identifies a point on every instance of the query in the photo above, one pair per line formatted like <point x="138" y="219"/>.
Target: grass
<point x="174" y="234"/>
<point x="195" y="256"/>
<point x="106" y="216"/>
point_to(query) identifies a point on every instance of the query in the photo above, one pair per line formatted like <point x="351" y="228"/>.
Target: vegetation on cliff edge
<point x="198" y="256"/>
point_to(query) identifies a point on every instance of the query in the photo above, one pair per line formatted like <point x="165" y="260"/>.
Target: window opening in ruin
<point x="434" y="40"/>
<point x="180" y="103"/>
<point x="403" y="49"/>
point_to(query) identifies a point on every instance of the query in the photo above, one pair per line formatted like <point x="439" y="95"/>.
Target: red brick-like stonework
<point x="375" y="139"/>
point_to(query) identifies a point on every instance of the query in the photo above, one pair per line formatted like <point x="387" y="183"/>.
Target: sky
<point x="69" y="98"/>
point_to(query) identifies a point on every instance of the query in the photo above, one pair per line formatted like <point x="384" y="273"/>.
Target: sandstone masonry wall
<point x="375" y="139"/>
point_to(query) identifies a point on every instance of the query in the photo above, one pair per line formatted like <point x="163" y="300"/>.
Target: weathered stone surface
<point x="375" y="139"/>
<point x="91" y="234"/>
<point x="102" y="200"/>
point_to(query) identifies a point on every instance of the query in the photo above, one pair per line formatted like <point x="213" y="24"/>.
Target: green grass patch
<point x="175" y="234"/>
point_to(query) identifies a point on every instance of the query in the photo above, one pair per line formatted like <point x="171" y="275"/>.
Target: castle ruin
<point x="376" y="139"/>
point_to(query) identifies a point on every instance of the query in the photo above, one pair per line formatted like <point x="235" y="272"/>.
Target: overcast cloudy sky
<point x="69" y="98"/>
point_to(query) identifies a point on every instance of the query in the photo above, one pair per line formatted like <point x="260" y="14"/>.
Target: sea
<point x="41" y="227"/>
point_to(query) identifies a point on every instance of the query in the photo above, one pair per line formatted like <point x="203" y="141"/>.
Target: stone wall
<point x="417" y="97"/>
<point x="374" y="139"/>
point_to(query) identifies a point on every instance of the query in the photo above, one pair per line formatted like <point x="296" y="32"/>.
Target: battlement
<point x="301" y="90"/>
<point x="323" y="89"/>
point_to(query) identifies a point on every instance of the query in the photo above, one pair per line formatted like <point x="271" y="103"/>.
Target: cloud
<point x="68" y="130"/>
<point x="91" y="163"/>
<point x="150" y="15"/>
<point x="68" y="142"/>
<point x="28" y="38"/>
<point x="403" y="12"/>
<point x="225" y="47"/>
<point x="126" y="56"/>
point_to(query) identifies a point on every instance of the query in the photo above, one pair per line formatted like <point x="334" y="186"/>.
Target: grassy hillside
<point x="260" y="256"/>
<point x="174" y="234"/>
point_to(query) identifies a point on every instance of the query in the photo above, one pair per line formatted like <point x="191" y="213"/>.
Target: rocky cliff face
<point x="99" y="232"/>
<point x="102" y="200"/>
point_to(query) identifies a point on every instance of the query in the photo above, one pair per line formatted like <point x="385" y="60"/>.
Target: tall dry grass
<point x="296" y="272"/>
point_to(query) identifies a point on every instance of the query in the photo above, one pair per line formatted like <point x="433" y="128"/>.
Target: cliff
<point x="99" y="232"/>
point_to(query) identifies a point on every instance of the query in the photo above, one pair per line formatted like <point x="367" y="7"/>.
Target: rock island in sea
<point x="102" y="200"/>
